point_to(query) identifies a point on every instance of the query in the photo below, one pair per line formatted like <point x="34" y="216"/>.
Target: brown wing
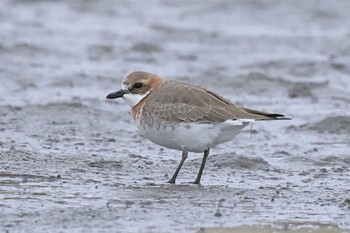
<point x="181" y="102"/>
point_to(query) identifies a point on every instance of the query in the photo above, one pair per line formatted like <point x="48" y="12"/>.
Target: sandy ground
<point x="71" y="161"/>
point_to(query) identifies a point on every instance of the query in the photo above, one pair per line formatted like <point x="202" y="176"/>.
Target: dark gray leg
<point x="205" y="157"/>
<point x="184" y="157"/>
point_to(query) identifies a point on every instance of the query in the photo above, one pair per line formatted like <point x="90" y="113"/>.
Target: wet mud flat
<point x="71" y="161"/>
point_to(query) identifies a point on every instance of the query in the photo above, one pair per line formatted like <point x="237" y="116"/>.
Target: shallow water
<point x="73" y="161"/>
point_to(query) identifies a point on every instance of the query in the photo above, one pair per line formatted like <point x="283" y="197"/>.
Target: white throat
<point x="134" y="99"/>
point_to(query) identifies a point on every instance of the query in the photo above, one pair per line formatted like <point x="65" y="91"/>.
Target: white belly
<point x="194" y="137"/>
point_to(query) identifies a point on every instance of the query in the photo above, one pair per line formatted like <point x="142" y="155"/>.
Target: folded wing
<point x="181" y="102"/>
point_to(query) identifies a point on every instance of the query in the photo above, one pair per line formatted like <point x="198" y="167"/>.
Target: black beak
<point x="116" y="94"/>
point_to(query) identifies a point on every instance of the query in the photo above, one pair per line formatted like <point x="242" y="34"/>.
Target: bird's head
<point x="136" y="86"/>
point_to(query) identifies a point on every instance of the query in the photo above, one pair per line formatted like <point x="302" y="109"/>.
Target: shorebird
<point x="183" y="116"/>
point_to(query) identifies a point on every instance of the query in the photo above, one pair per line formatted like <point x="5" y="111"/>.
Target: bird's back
<point x="177" y="101"/>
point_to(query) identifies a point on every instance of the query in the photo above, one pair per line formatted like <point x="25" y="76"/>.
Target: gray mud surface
<point x="71" y="161"/>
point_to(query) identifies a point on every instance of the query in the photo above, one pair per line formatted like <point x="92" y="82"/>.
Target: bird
<point x="183" y="116"/>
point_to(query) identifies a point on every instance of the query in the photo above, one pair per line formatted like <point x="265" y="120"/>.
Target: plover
<point x="183" y="116"/>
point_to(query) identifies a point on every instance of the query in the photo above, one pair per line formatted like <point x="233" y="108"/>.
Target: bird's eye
<point x="138" y="85"/>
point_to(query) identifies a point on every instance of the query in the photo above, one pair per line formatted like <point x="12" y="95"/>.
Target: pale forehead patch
<point x="124" y="86"/>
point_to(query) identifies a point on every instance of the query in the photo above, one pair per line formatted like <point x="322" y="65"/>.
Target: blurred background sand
<point x="71" y="161"/>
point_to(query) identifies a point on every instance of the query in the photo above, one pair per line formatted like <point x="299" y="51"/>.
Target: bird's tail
<point x="260" y="116"/>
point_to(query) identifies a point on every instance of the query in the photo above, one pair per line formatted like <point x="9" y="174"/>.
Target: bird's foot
<point x="171" y="181"/>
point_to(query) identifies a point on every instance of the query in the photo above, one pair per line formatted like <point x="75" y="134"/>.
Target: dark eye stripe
<point x="138" y="85"/>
